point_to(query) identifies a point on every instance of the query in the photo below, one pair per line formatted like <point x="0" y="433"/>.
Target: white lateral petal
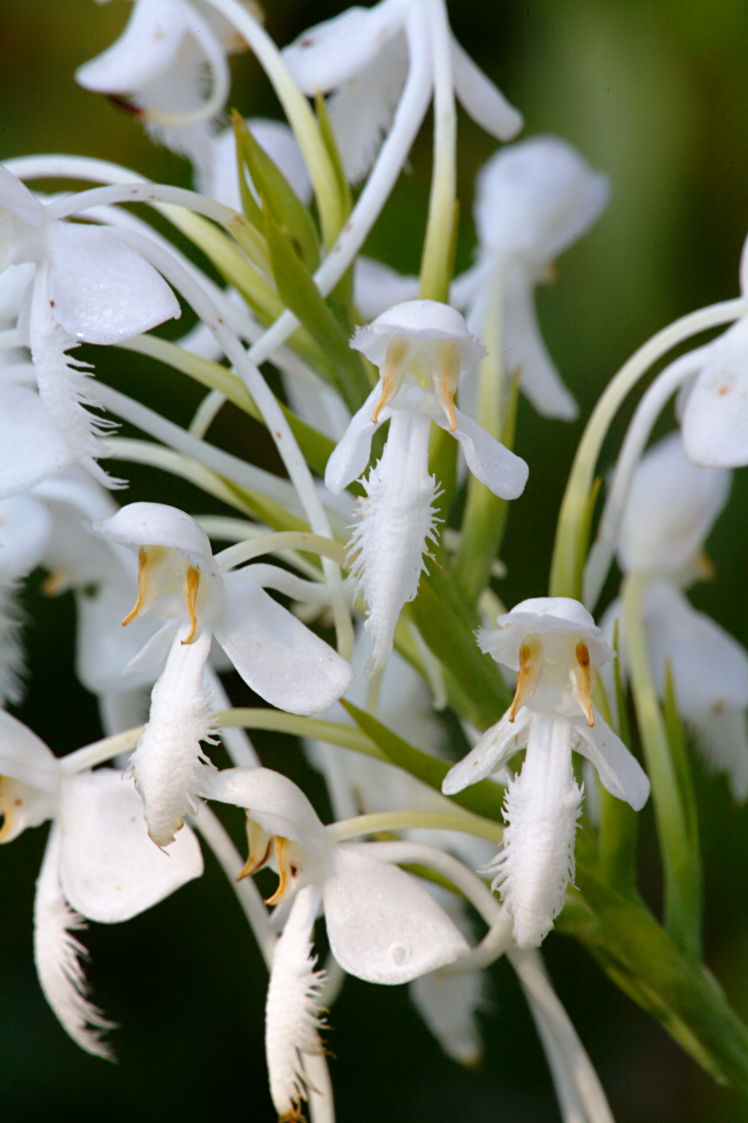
<point x="481" y="99"/>
<point x="147" y="47"/>
<point x="271" y="800"/>
<point x="619" y="770"/>
<point x="109" y="868"/>
<point x="276" y="655"/>
<point x="31" y="447"/>
<point x="497" y="745"/>
<point x="362" y="109"/>
<point x="489" y="461"/>
<point x="16" y="198"/>
<point x="102" y="290"/>
<point x="57" y="955"/>
<point x="382" y="925"/>
<point x="525" y="351"/>
<point x="350" y="457"/>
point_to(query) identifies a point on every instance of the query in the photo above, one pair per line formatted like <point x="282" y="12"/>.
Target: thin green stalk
<point x="679" y="847"/>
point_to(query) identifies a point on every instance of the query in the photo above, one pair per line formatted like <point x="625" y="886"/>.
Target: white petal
<point x="534" y="199"/>
<point x="361" y="110"/>
<point x="448" y="1004"/>
<point x="336" y="50"/>
<point x="710" y="668"/>
<point x="619" y="770"/>
<point x="536" y="860"/>
<point x="481" y="99"/>
<point x="102" y="290"/>
<point x="31" y="446"/>
<point x="395" y="524"/>
<point x="157" y="524"/>
<point x="715" y="415"/>
<point x="147" y="47"/>
<point x="168" y="762"/>
<point x="377" y="287"/>
<point x="104" y="649"/>
<point x="671" y="507"/>
<point x="489" y="461"/>
<point x="293" y="1013"/>
<point x="271" y="800"/>
<point x="25" y="526"/>
<point x="109" y="868"/>
<point x="350" y="457"/>
<point x="540" y="615"/>
<point x="723" y="740"/>
<point x="497" y="745"/>
<point x="25" y="757"/>
<point x="276" y="655"/>
<point x="221" y="178"/>
<point x="16" y="198"/>
<point x="57" y="955"/>
<point x="382" y="925"/>
<point x="526" y="352"/>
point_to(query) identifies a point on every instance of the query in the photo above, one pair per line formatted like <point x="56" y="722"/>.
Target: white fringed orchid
<point x="671" y="508"/>
<point x="275" y="654"/>
<point x="555" y="646"/>
<point x="159" y="64"/>
<point x="88" y="286"/>
<point x="421" y="348"/>
<point x="363" y="56"/>
<point x="99" y="864"/>
<point x="382" y="925"/>
<point x="533" y="200"/>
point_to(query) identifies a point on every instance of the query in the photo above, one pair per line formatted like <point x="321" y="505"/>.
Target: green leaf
<point x="669" y="984"/>
<point x="482" y="799"/>
<point x="277" y="195"/>
<point x="299" y="292"/>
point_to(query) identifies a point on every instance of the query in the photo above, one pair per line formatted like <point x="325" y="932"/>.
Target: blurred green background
<point x="655" y="94"/>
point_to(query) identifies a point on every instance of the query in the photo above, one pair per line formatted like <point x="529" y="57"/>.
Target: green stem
<point x="679" y="846"/>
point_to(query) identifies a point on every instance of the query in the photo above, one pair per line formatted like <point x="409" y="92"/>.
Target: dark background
<point x="654" y="94"/>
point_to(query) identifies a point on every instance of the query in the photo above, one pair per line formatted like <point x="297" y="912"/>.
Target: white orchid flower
<point x="671" y="508"/>
<point x="159" y="65"/>
<point x="362" y="56"/>
<point x="533" y="200"/>
<point x="88" y="286"/>
<point x="275" y="654"/>
<point x="555" y="646"/>
<point x="421" y="348"/>
<point x="99" y="864"/>
<point x="382" y="925"/>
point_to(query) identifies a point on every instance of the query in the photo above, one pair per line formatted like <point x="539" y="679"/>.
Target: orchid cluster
<point x="485" y="764"/>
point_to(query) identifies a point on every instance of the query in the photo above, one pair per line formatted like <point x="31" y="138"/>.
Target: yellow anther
<point x="259" y="842"/>
<point x="148" y="559"/>
<point x="582" y="677"/>
<point x="527" y="676"/>
<point x="284" y="873"/>
<point x="445" y="379"/>
<point x="5" y="809"/>
<point x="392" y="373"/>
<point x="54" y="584"/>
<point x="191" y="590"/>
